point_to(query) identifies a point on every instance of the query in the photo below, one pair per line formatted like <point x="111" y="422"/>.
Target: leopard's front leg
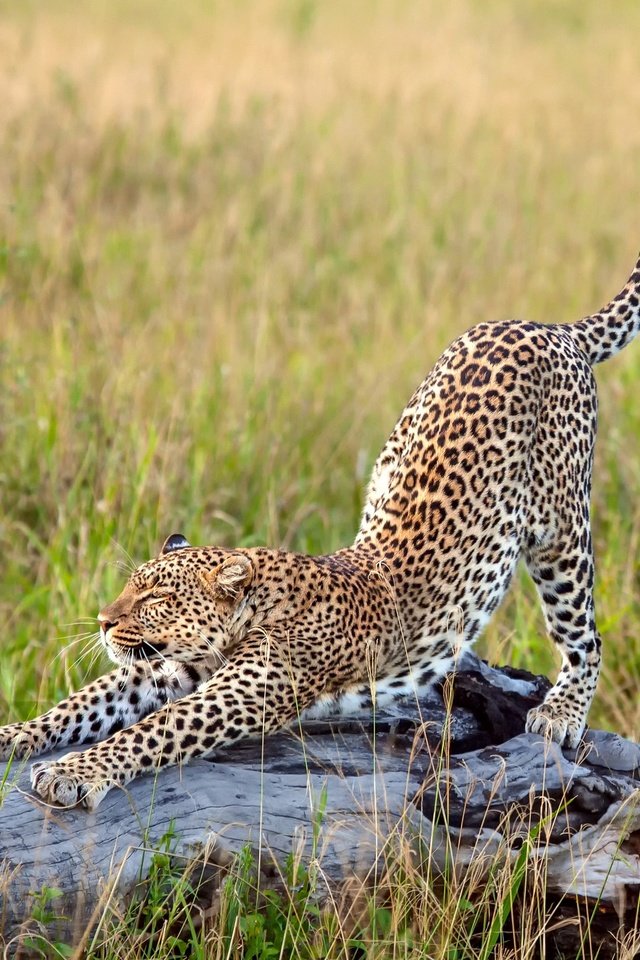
<point x="255" y="691"/>
<point x="98" y="710"/>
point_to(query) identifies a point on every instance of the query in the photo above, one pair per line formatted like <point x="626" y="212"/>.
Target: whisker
<point x="128" y="563"/>
<point x="128" y="663"/>
<point x="125" y="666"/>
<point x="155" y="650"/>
<point x="94" y="659"/>
<point x="78" y="636"/>
<point x="121" y="566"/>
<point x="82" y="622"/>
<point x="87" y="638"/>
<point x="152" y="672"/>
<point x="213" y="649"/>
<point x="88" y="647"/>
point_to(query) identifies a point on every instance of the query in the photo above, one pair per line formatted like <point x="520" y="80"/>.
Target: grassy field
<point x="233" y="238"/>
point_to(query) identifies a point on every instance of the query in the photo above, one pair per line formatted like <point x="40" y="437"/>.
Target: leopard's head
<point x="181" y="605"/>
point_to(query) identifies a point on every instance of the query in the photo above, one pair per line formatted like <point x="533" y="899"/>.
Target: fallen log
<point x="443" y="773"/>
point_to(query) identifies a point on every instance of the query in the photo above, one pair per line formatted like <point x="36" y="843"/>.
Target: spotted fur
<point x="490" y="461"/>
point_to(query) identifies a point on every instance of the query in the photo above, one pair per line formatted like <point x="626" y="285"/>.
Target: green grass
<point x="233" y="238"/>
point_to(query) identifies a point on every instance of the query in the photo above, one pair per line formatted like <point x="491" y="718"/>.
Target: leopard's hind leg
<point x="564" y="577"/>
<point x="559" y="552"/>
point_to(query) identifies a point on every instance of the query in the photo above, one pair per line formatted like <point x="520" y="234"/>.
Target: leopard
<point x="490" y="462"/>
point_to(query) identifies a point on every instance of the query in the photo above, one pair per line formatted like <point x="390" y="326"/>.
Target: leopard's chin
<point x="123" y="654"/>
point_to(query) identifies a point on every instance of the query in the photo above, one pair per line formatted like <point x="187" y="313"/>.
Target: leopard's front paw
<point x="550" y="721"/>
<point x="16" y="740"/>
<point x="65" y="783"/>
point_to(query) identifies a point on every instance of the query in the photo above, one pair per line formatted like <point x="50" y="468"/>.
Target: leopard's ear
<point x="230" y="579"/>
<point x="175" y="542"/>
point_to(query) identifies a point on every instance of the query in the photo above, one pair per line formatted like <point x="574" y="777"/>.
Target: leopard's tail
<point x="605" y="333"/>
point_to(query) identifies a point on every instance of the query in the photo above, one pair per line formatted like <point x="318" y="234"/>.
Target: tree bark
<point x="460" y="776"/>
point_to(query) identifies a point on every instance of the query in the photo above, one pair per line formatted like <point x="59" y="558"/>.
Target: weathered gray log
<point x="376" y="775"/>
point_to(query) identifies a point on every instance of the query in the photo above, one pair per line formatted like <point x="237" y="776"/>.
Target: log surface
<point x="336" y="790"/>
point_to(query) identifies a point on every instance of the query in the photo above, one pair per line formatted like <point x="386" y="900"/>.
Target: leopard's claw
<point x="55" y="783"/>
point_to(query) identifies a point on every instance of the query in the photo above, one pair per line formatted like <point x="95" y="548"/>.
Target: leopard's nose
<point x="105" y="623"/>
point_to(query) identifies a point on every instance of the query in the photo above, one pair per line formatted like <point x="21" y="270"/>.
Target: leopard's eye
<point x="159" y="595"/>
<point x="153" y="595"/>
